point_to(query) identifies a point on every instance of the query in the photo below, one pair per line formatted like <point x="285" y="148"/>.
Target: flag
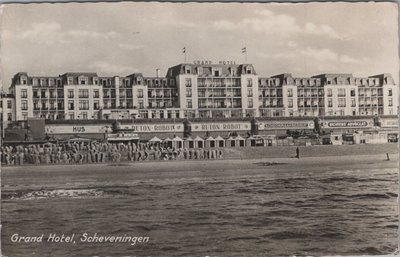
<point x="244" y="50"/>
<point x="184" y="50"/>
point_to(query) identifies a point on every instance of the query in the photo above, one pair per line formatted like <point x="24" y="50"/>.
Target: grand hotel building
<point x="198" y="90"/>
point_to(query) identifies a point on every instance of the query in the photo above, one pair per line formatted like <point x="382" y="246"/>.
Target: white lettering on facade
<point x="347" y="124"/>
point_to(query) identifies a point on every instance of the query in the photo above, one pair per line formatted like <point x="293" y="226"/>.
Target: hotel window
<point x="84" y="115"/>
<point x="390" y="102"/>
<point x="353" y="92"/>
<point x="70" y="93"/>
<point x="129" y="93"/>
<point x="70" y="105"/>
<point x="188" y="92"/>
<point x="96" y="105"/>
<point x="250" y="103"/>
<point x="83" y="93"/>
<point x="141" y="105"/>
<point x="70" y="81"/>
<point x="71" y="116"/>
<point x="140" y="93"/>
<point x="9" y="116"/>
<point x="249" y="92"/>
<point x="189" y="104"/>
<point x="390" y="92"/>
<point x="188" y="82"/>
<point x="202" y="93"/>
<point x="82" y="82"/>
<point x="329" y="92"/>
<point x="53" y="94"/>
<point x="9" y="104"/>
<point x="330" y="102"/>
<point x="24" y="115"/>
<point x="24" y="105"/>
<point x="341" y="92"/>
<point x="290" y="92"/>
<point x="353" y="102"/>
<point x="172" y="82"/>
<point x="83" y="105"/>
<point x="36" y="105"/>
<point x="187" y="69"/>
<point x="24" y="93"/>
<point x="290" y="103"/>
<point x="341" y="102"/>
<point x="96" y="93"/>
<point x="249" y="82"/>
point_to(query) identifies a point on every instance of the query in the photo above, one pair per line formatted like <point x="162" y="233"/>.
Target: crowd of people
<point x="99" y="152"/>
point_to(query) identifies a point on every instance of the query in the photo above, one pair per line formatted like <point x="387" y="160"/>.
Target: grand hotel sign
<point x="203" y="62"/>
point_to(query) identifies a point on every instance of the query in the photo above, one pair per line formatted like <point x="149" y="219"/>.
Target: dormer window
<point x="199" y="70"/>
<point x="231" y="71"/>
<point x="187" y="69"/>
<point x="216" y="72"/>
<point x="248" y="70"/>
<point x="70" y="81"/>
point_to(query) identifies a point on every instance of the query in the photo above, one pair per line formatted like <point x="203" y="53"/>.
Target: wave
<point x="57" y="193"/>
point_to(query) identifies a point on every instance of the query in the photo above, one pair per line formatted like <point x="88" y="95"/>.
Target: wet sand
<point x="91" y="174"/>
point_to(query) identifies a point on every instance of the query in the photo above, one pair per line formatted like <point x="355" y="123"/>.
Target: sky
<point x="123" y="38"/>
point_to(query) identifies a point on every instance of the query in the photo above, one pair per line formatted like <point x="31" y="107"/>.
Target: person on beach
<point x="297" y="153"/>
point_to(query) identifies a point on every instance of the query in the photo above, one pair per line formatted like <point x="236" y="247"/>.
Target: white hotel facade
<point x="202" y="90"/>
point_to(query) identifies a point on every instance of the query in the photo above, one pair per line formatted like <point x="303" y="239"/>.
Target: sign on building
<point x="226" y="126"/>
<point x="93" y="129"/>
<point x="276" y="125"/>
<point x="348" y="124"/>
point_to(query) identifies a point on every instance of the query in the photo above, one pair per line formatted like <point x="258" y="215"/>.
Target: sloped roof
<point x="239" y="138"/>
<point x="177" y="139"/>
<point x="219" y="138"/>
<point x="155" y="139"/>
<point x="198" y="139"/>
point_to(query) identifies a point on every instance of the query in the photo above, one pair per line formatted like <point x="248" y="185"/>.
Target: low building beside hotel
<point x="198" y="90"/>
<point x="7" y="111"/>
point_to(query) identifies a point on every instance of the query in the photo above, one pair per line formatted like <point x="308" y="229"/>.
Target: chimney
<point x="158" y="73"/>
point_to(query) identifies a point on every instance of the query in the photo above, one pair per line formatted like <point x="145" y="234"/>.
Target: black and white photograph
<point x="207" y="129"/>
